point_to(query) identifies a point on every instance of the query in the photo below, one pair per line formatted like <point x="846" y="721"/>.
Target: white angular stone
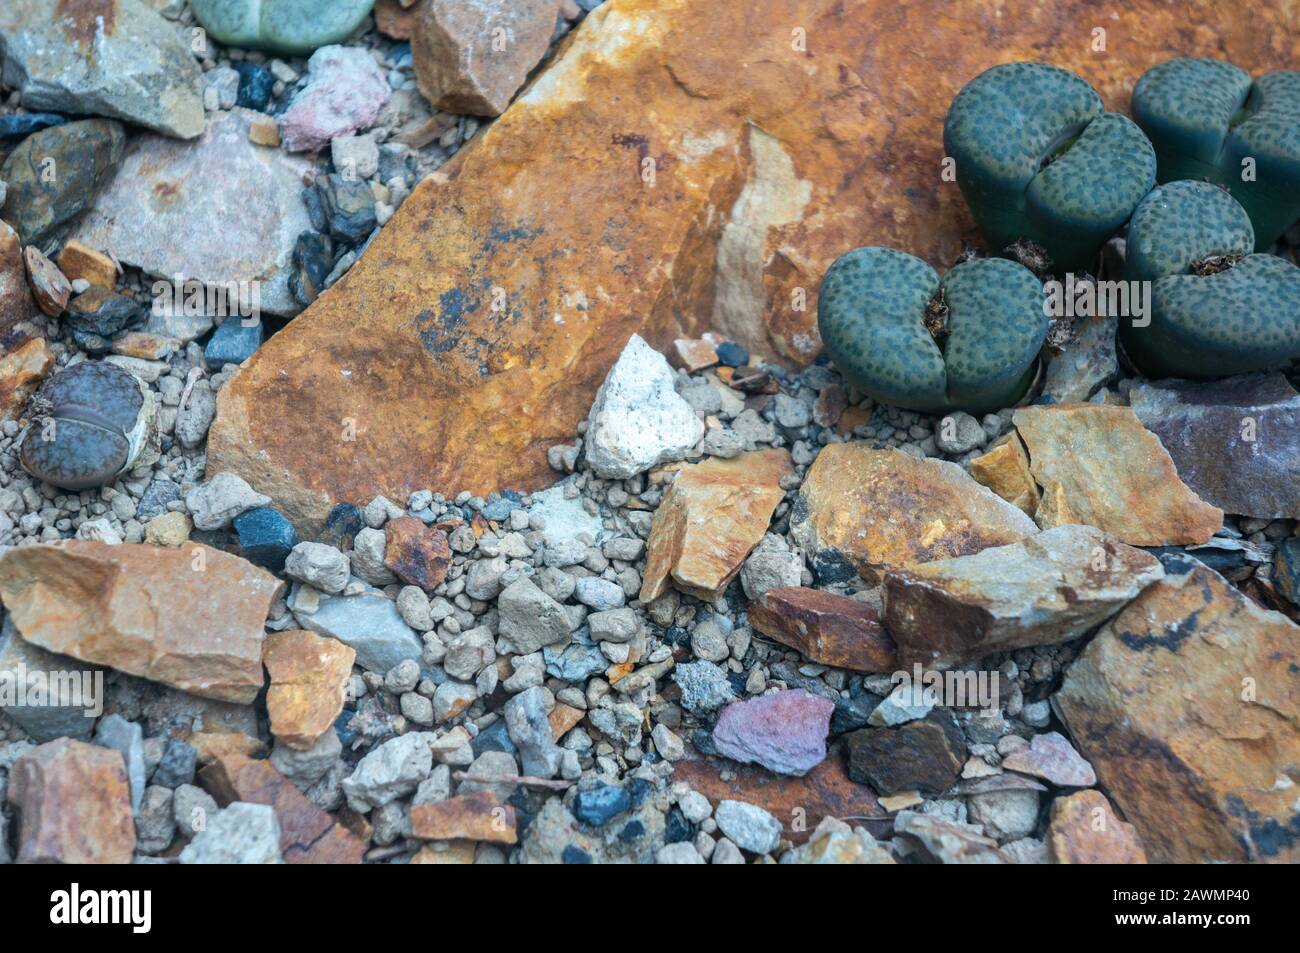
<point x="638" y="421"/>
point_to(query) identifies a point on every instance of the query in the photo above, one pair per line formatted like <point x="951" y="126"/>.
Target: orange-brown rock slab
<point x="1004" y="469"/>
<point x="74" y="805"/>
<point x="1084" y="830"/>
<point x="308" y="835"/>
<point x="309" y="675"/>
<point x="21" y="372"/>
<point x="562" y="718"/>
<point x="480" y="816"/>
<point x="190" y="617"/>
<point x="711" y="517"/>
<point x="16" y="301"/>
<point x="1097" y="464"/>
<point x="720" y="202"/>
<point x="863" y="511"/>
<point x="826" y="628"/>
<point x="798" y="803"/>
<point x="450" y="852"/>
<point x="79" y="260"/>
<point x="1187" y="705"/>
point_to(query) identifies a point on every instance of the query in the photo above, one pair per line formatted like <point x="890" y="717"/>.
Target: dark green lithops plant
<point x="89" y="424"/>
<point x="1215" y="308"/>
<point x="1207" y="120"/>
<point x="969" y="341"/>
<point x="1038" y="158"/>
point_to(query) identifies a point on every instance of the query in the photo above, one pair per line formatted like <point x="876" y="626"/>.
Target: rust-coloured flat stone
<point x="826" y="628"/>
<point x="480" y="816"/>
<point x="798" y="803"/>
<point x="308" y="835"/>
<point x="73" y="803"/>
<point x="1097" y="464"/>
<point x="21" y="372"/>
<point x="646" y="183"/>
<point x="79" y="260"/>
<point x="711" y="517"/>
<point x="309" y="675"/>
<point x="1187" y="706"/>
<point x="190" y="617"/>
<point x="419" y="555"/>
<point x="1085" y="830"/>
<point x="863" y="511"/>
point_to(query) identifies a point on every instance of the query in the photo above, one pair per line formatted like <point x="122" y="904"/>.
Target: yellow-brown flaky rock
<point x="1084" y="830"/>
<point x="309" y="675"/>
<point x="480" y="816"/>
<point x="862" y="511"/>
<point x="711" y="517"/>
<point x="653" y="184"/>
<point x="73" y="804"/>
<point x="1004" y="469"/>
<point x="21" y="371"/>
<point x="191" y="617"/>
<point x="1097" y="464"/>
<point x="1188" y="707"/>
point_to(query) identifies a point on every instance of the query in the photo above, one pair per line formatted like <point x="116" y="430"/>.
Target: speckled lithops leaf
<point x="1037" y="158"/>
<point x="1207" y="120"/>
<point x="1181" y="223"/>
<point x="872" y="315"/>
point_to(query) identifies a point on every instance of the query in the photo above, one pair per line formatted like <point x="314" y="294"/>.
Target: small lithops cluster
<point x="1208" y="120"/>
<point x="1038" y="158"/>
<point x="1216" y="309"/>
<point x="908" y="338"/>
<point x="295" y="27"/>
<point x="89" y="424"/>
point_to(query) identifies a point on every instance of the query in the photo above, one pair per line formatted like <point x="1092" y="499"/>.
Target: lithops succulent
<point x="89" y="423"/>
<point x="1207" y="120"/>
<point x="1215" y="309"/>
<point x="296" y="27"/>
<point x="1038" y="158"/>
<point x="902" y="335"/>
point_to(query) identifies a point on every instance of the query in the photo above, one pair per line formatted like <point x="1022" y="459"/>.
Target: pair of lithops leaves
<point x="284" y="26"/>
<point x="89" y="424"/>
<point x="1038" y="158"/>
<point x="1208" y="120"/>
<point x="904" y="336"/>
<point x="1216" y="309"/>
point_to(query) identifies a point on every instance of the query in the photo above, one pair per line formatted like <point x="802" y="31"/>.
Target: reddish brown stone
<point x="417" y="554"/>
<point x="826" y="628"/>
<point x="562" y="718"/>
<point x="308" y="835"/>
<point x="74" y="805"/>
<point x="190" y="617"/>
<point x="1084" y="830"/>
<point x="49" y="286"/>
<point x="309" y="676"/>
<point x="396" y="20"/>
<point x="16" y="301"/>
<point x="722" y="202"/>
<point x="480" y="816"/>
<point x="212" y="745"/>
<point x="21" y="372"/>
<point x="798" y="803"/>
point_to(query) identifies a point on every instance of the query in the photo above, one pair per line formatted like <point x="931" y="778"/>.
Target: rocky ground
<point x="682" y="651"/>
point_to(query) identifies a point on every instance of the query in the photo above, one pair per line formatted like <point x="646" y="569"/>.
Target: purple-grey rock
<point x="785" y="732"/>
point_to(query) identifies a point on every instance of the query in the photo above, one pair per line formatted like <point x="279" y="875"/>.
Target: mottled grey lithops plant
<point x="1216" y="309"/>
<point x="1208" y="120"/>
<point x="903" y="336"/>
<point x="1038" y="158"/>
<point x="89" y="423"/>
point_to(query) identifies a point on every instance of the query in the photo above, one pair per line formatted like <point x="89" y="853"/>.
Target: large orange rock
<point x="1084" y="830"/>
<point x="21" y="372"/>
<point x="1188" y="706"/>
<point x="191" y="617"/>
<point x="680" y="165"/>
